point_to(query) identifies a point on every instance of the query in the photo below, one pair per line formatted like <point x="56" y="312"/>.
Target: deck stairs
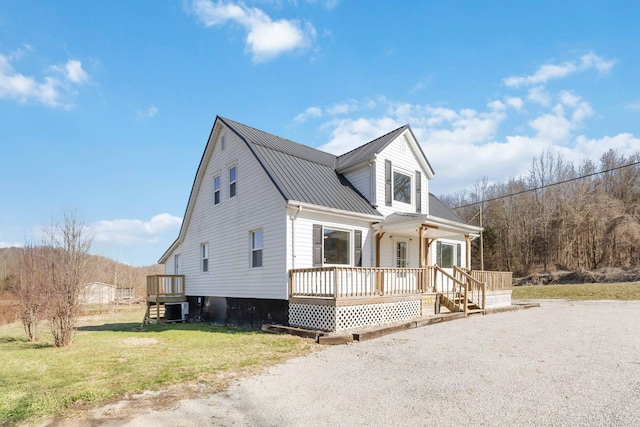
<point x="154" y="314"/>
<point x="456" y="303"/>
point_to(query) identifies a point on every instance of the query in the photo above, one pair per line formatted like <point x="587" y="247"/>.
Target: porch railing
<point x="495" y="280"/>
<point x="165" y="286"/>
<point x="354" y="282"/>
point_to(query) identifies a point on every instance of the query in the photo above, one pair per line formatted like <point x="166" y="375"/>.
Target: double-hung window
<point x="401" y="187"/>
<point x="256" y="248"/>
<point x="233" y="176"/>
<point x="204" y="254"/>
<point x="216" y="190"/>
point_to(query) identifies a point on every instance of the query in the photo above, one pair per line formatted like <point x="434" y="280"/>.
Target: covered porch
<point x="343" y="298"/>
<point x="407" y="280"/>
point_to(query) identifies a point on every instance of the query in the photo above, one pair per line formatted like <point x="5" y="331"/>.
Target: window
<point x="176" y="264"/>
<point x="336" y="246"/>
<point x="448" y="254"/>
<point x="232" y="181"/>
<point x="333" y="247"/>
<point x="223" y="142"/>
<point x="401" y="187"/>
<point x="216" y="190"/>
<point x="204" y="253"/>
<point x="256" y="248"/>
<point x="401" y="254"/>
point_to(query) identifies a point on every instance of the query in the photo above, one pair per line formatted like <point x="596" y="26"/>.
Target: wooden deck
<point x="460" y="290"/>
<point x="162" y="289"/>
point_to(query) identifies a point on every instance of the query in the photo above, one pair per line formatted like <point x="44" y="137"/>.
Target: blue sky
<point x="106" y="106"/>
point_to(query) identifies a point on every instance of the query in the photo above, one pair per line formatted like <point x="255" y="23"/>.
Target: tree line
<point x="558" y="216"/>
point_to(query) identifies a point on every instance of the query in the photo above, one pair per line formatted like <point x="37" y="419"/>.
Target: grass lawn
<point x="110" y="357"/>
<point x="589" y="291"/>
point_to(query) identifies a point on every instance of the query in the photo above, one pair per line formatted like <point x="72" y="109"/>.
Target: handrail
<point x="357" y="282"/>
<point x="478" y="288"/>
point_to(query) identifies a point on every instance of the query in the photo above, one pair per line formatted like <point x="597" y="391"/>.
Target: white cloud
<point x="309" y="112"/>
<point x="10" y="245"/>
<point x="75" y="73"/>
<point x="147" y="114"/>
<point x="539" y="95"/>
<point x="633" y="106"/>
<point x="514" y="102"/>
<point x="52" y="90"/>
<point x="266" y="38"/>
<point x="348" y="134"/>
<point x="128" y="232"/>
<point x="553" y="71"/>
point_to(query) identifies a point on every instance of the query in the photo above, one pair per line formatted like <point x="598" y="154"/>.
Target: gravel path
<point x="565" y="363"/>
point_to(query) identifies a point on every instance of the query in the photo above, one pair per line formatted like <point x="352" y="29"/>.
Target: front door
<point x="402" y="254"/>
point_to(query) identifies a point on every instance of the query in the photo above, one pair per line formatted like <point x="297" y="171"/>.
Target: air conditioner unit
<point x="176" y="311"/>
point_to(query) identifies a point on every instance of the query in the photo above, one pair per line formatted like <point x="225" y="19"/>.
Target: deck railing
<point x="165" y="285"/>
<point x="495" y="280"/>
<point x="475" y="290"/>
<point x="355" y="282"/>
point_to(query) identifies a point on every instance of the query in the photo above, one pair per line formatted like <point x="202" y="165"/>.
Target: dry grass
<point x="111" y="357"/>
<point x="590" y="291"/>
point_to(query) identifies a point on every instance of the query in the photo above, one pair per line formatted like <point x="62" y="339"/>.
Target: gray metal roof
<point x="302" y="173"/>
<point x="437" y="208"/>
<point x="366" y="151"/>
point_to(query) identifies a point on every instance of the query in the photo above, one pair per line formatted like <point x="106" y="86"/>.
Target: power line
<point x="547" y="186"/>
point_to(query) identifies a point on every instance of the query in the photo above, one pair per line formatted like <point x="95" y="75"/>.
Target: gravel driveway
<point x="565" y="363"/>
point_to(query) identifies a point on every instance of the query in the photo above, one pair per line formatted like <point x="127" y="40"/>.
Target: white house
<point x="275" y="230"/>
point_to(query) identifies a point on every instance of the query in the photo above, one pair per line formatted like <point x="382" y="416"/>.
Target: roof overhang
<point x="333" y="211"/>
<point x="434" y="227"/>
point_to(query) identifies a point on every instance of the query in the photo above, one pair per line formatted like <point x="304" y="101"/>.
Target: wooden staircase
<point x="461" y="292"/>
<point x="154" y="314"/>
<point x="456" y="303"/>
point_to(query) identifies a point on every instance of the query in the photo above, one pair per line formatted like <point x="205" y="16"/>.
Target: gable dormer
<point x="391" y="171"/>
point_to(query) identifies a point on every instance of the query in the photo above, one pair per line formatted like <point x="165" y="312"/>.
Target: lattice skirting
<point x="498" y="299"/>
<point x="330" y="318"/>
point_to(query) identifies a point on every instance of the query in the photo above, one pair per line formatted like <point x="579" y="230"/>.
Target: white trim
<point x="349" y="249"/>
<point x="338" y="212"/>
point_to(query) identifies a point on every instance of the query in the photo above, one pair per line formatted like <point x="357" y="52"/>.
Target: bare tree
<point x="30" y="284"/>
<point x="68" y="277"/>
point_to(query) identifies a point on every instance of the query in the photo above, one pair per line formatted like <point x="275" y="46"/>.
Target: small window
<point x="204" y="252"/>
<point x="336" y="246"/>
<point x="256" y="248"/>
<point x="232" y="181"/>
<point x="401" y="187"/>
<point x="176" y="264"/>
<point x="216" y="190"/>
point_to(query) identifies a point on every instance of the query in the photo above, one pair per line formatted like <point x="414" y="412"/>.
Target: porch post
<point x="378" y="239"/>
<point x="468" y="243"/>
<point x="421" y="259"/>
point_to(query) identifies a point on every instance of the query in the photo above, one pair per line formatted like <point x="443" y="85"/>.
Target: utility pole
<point x="481" y="241"/>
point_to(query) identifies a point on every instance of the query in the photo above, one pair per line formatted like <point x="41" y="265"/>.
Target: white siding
<point x="404" y="160"/>
<point x="304" y="237"/>
<point x="226" y="227"/>
<point x="363" y="180"/>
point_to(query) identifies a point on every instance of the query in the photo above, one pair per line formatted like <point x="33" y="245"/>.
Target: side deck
<point x="162" y="289"/>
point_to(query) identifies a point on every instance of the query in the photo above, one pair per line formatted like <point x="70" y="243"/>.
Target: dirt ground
<point x="562" y="364"/>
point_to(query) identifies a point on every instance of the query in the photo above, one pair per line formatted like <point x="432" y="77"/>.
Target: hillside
<point x="101" y="269"/>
